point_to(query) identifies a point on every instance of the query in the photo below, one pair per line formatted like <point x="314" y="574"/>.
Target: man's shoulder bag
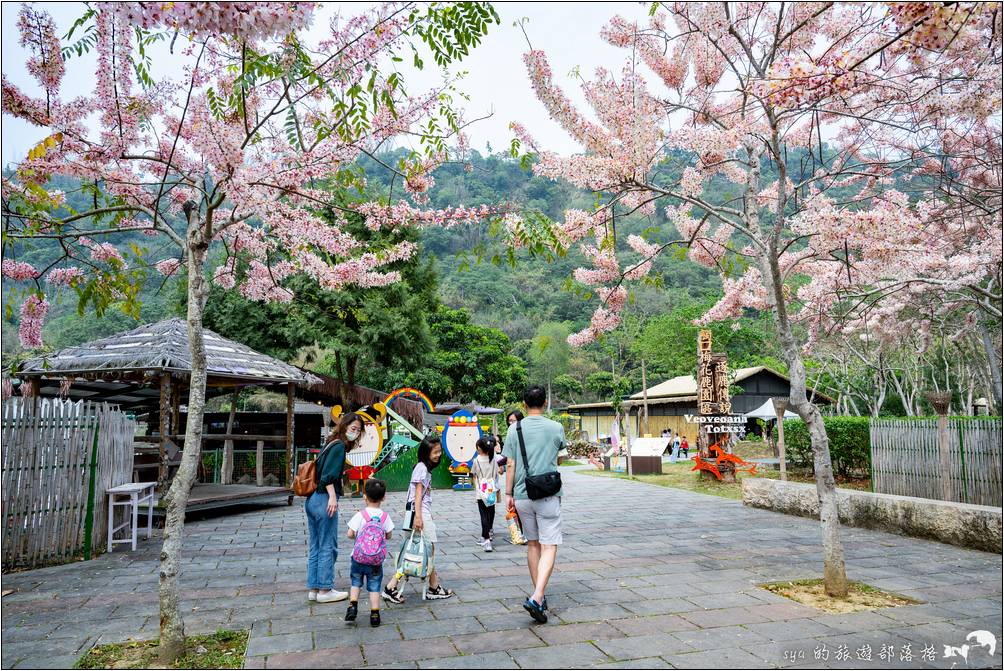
<point x="538" y="486"/>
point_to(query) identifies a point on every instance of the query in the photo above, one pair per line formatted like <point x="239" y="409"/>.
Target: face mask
<point x="352" y="434"/>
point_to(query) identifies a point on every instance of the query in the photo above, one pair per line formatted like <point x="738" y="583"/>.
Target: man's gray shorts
<point x="541" y="519"/>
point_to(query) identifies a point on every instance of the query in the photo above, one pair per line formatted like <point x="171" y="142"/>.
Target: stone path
<point x="648" y="577"/>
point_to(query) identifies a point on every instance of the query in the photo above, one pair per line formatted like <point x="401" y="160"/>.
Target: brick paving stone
<point x="254" y="662"/>
<point x="638" y="647"/>
<point x="433" y="628"/>
<point x="340" y="634"/>
<point x="723" y="617"/>
<point x="269" y="645"/>
<point x="607" y="611"/>
<point x="792" y="630"/>
<point x="391" y="652"/>
<point x="647" y="663"/>
<point x="487" y="660"/>
<point x="659" y="606"/>
<point x="510" y="639"/>
<point x="719" y="659"/>
<point x="600" y="596"/>
<point x="725" y="600"/>
<point x="718" y="638"/>
<point x="781" y="611"/>
<point x="348" y="657"/>
<point x="503" y="620"/>
<point x="571" y="655"/>
<point x="654" y="624"/>
<point x="575" y="633"/>
<point x="856" y="622"/>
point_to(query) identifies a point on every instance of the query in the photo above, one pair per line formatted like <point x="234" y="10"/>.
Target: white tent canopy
<point x="766" y="411"/>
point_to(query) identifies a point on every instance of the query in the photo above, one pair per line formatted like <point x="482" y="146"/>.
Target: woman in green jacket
<point x="322" y="510"/>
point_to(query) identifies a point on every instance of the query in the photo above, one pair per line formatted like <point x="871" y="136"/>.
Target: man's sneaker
<point x="374" y="618"/>
<point x="437" y="592"/>
<point x="312" y="595"/>
<point x="352" y="612"/>
<point x="332" y="596"/>
<point x="393" y="595"/>
<point x="488" y="546"/>
<point x="543" y="603"/>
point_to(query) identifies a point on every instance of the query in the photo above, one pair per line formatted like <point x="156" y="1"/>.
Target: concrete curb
<point x="962" y="524"/>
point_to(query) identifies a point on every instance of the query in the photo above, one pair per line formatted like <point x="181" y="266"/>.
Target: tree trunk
<point x="172" y="627"/>
<point x="227" y="469"/>
<point x="549" y="392"/>
<point x="995" y="367"/>
<point x="834" y="572"/>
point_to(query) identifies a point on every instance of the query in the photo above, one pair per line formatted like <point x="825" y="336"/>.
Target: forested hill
<point x="515" y="299"/>
<point x="518" y="298"/>
<point x="494" y="325"/>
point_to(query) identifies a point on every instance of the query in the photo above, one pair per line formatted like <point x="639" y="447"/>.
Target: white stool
<point x="138" y="493"/>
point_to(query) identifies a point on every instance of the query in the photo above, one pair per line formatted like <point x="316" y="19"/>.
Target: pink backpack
<point x="371" y="541"/>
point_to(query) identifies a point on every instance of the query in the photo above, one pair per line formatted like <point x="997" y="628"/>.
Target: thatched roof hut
<point x="148" y="369"/>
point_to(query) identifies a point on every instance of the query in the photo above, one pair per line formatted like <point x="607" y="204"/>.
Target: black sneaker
<point x="393" y="595"/>
<point x="374" y="618"/>
<point x="350" y="614"/>
<point x="543" y="604"/>
<point x="536" y="610"/>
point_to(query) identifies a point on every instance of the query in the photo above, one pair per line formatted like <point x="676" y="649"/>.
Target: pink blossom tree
<point x="815" y="154"/>
<point x="232" y="154"/>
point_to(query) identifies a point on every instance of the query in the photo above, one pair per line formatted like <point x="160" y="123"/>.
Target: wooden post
<point x="780" y="407"/>
<point x="260" y="463"/>
<point x="227" y="469"/>
<point x="644" y="395"/>
<point x="166" y="393"/>
<point x="941" y="400"/>
<point x="290" y="388"/>
<point x="627" y="440"/>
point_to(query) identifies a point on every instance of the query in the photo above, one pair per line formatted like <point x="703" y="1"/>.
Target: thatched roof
<point x="163" y="347"/>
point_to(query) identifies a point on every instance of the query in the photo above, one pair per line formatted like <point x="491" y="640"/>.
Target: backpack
<point x="487" y="484"/>
<point x="305" y="482"/>
<point x="371" y="541"/>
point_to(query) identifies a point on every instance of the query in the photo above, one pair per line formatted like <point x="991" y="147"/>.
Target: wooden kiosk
<point x="146" y="371"/>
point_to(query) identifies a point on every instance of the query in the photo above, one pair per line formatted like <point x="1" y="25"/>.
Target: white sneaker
<point x="332" y="596"/>
<point x="312" y="595"/>
<point x="488" y="546"/>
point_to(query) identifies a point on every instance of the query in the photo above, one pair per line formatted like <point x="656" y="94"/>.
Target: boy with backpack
<point x="371" y="528"/>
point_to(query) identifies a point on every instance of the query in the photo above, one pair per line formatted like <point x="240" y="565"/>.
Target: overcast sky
<point x="497" y="83"/>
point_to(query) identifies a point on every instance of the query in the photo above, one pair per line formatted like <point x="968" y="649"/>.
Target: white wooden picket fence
<point x="906" y="460"/>
<point x="59" y="457"/>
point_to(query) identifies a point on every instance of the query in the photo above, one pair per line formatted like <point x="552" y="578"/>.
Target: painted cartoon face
<point x="462" y="442"/>
<point x="366" y="448"/>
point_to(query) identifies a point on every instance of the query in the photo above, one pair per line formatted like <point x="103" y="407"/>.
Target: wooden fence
<point x="906" y="460"/>
<point x="59" y="457"/>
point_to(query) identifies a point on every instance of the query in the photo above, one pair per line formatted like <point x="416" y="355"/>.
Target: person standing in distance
<point x="544" y="440"/>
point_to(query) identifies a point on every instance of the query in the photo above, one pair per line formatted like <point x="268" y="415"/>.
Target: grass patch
<point x="680" y="476"/>
<point x="860" y="597"/>
<point x="222" y="650"/>
<point x="572" y="462"/>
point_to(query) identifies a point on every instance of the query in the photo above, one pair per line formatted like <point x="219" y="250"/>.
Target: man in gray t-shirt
<point x="544" y="440"/>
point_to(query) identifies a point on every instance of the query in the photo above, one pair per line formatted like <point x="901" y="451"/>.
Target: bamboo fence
<point x="59" y="457"/>
<point x="906" y="460"/>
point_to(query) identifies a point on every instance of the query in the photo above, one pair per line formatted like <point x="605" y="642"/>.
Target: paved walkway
<point x="648" y="577"/>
